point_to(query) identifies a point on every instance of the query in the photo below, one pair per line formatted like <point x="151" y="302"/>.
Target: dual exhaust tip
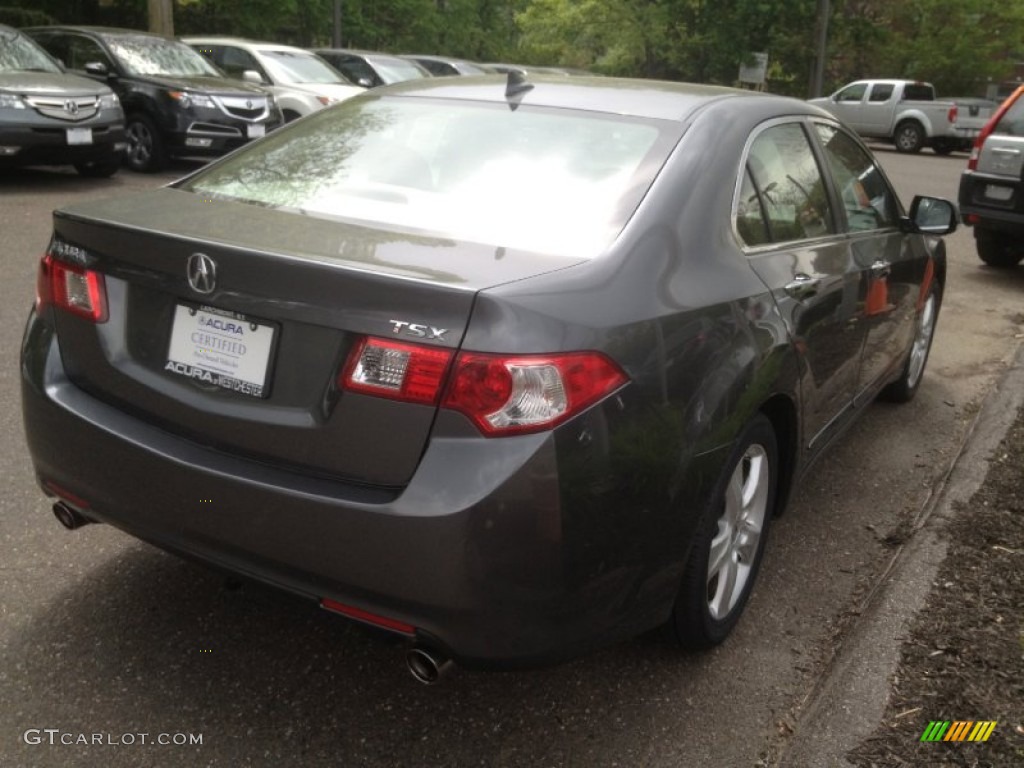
<point x="68" y="516"/>
<point x="425" y="665"/>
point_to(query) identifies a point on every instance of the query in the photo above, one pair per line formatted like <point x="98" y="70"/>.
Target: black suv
<point x="175" y="102"/>
<point x="992" y="188"/>
<point x="50" y="118"/>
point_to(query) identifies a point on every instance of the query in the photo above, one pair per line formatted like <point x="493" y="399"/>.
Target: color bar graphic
<point x="959" y="730"/>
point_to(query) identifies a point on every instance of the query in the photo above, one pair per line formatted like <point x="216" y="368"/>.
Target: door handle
<point x="1005" y="151"/>
<point x="881" y="269"/>
<point x="803" y="286"/>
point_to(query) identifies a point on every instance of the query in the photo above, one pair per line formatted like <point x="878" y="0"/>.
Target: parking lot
<point x="102" y="634"/>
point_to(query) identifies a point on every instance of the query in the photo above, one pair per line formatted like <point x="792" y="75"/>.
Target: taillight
<point x="408" y="372"/>
<point x="506" y="395"/>
<point x="501" y="394"/>
<point x="972" y="162"/>
<point x="952" y="114"/>
<point x="75" y="289"/>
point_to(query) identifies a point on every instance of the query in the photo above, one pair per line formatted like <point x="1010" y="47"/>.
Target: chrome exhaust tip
<point x="426" y="666"/>
<point x="68" y="516"/>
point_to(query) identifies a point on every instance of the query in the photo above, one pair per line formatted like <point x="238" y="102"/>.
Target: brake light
<point x="365" y="616"/>
<point x="408" y="372"/>
<point x="952" y="114"/>
<point x="72" y="288"/>
<point x="506" y="395"/>
<point x="501" y="394"/>
<point x="972" y="163"/>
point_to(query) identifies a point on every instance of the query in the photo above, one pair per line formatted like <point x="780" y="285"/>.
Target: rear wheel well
<point x="781" y="412"/>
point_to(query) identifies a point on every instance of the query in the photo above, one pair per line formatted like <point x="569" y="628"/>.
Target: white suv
<point x="300" y="81"/>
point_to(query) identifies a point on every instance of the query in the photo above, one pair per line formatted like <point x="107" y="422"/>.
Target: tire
<point x="943" y="147"/>
<point x="997" y="249"/>
<point x="729" y="541"/>
<point x="145" y="145"/>
<point x="905" y="387"/>
<point x="99" y="169"/>
<point x="909" y="137"/>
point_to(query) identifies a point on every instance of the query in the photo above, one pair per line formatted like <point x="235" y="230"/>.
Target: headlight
<point x="188" y="99"/>
<point x="109" y="101"/>
<point x="11" y="101"/>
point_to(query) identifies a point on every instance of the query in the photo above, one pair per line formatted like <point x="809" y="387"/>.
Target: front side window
<point x="83" y="50"/>
<point x="853" y="92"/>
<point x="868" y="200"/>
<point x="788" y="186"/>
<point x="549" y="180"/>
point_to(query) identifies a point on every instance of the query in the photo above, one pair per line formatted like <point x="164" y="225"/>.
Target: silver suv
<point x="48" y="117"/>
<point x="992" y="189"/>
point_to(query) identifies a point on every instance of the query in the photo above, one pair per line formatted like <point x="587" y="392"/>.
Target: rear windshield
<point x="918" y="92"/>
<point x="1012" y="121"/>
<point x="551" y="180"/>
<point x="395" y="70"/>
<point x="299" y="67"/>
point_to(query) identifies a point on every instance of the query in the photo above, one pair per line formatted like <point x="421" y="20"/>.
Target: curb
<point x="848" y="700"/>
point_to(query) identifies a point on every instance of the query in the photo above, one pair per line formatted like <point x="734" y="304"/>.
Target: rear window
<point x="550" y="180"/>
<point x="1012" y="121"/>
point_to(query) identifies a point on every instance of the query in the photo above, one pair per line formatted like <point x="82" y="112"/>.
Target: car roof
<point x="241" y="42"/>
<point x="104" y="32"/>
<point x="654" y="99"/>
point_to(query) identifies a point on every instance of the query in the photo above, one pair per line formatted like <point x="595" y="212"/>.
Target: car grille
<point x="74" y="109"/>
<point x="244" y="107"/>
<point x="212" y="129"/>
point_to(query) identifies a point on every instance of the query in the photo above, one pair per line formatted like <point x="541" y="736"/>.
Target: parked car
<point x="444" y="66"/>
<point x="992" y="189"/>
<point x="301" y="82"/>
<point x="48" y="117"/>
<point x="972" y="114"/>
<point x="371" y="69"/>
<point x="175" y="103"/>
<point x="905" y="112"/>
<point x="510" y="383"/>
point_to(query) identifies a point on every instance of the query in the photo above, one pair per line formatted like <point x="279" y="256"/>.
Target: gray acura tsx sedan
<point x="512" y="368"/>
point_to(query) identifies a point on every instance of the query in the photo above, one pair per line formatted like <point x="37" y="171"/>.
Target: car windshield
<point x="551" y="180"/>
<point x="299" y="67"/>
<point x="19" y="54"/>
<point x="156" y="56"/>
<point x="394" y="70"/>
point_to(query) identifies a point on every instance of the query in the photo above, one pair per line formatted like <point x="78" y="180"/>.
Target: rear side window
<point x="868" y="201"/>
<point x="1012" y="121"/>
<point x="784" y="179"/>
<point x="882" y="92"/>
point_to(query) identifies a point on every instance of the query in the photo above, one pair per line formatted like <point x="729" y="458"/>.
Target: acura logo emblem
<point x="248" y="104"/>
<point x="202" y="273"/>
<point x="71" y="106"/>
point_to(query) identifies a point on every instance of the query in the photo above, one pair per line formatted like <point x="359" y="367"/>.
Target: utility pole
<point x="821" y="45"/>
<point x="336" y="29"/>
<point x="161" y="17"/>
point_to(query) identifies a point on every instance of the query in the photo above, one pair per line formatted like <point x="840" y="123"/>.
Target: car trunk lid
<point x="298" y="293"/>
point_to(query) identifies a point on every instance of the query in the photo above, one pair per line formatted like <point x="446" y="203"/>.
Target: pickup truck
<point x="904" y="112"/>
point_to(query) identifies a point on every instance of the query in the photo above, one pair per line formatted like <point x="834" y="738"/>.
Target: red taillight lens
<point x="951" y="115"/>
<point x="408" y="372"/>
<point x="506" y="395"/>
<point x="972" y="163"/>
<point x="76" y="289"/>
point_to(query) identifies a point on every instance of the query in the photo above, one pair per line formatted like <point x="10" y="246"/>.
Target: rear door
<point x="785" y="217"/>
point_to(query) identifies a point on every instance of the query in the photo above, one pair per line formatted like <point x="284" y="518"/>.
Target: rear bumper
<point x="480" y="552"/>
<point x="980" y="207"/>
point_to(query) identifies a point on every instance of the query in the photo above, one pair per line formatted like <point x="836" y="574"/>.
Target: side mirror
<point x="97" y="68"/>
<point x="931" y="216"/>
<point x="252" y="76"/>
<point x="365" y="82"/>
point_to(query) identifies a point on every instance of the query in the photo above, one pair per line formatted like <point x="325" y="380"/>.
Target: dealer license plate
<point x="997" y="192"/>
<point x="79" y="135"/>
<point x="220" y="348"/>
<point x="256" y="130"/>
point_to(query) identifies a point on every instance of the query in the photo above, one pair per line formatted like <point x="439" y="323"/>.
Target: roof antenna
<point x="516" y="85"/>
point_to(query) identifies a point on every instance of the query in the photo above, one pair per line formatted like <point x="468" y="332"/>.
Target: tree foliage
<point x="960" y="45"/>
